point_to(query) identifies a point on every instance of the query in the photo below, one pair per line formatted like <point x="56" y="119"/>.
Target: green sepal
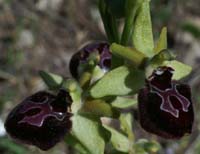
<point x="53" y="81"/>
<point x="181" y="70"/>
<point x="162" y="42"/>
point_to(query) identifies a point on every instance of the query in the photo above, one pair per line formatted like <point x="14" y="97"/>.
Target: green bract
<point x="120" y="81"/>
<point x="142" y="34"/>
<point x="118" y="140"/>
<point x="122" y="102"/>
<point x="89" y="132"/>
<point x="53" y="81"/>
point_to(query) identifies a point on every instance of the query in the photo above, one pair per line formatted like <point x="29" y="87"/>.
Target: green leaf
<point x="181" y="70"/>
<point x="53" y="81"/>
<point x="117" y="7"/>
<point x="12" y="147"/>
<point x="120" y="81"/>
<point x="126" y="121"/>
<point x="148" y="146"/>
<point x="75" y="143"/>
<point x="89" y="132"/>
<point x="109" y="21"/>
<point x="122" y="102"/>
<point x="162" y="42"/>
<point x="142" y="35"/>
<point x="118" y="140"/>
<point x="131" y="7"/>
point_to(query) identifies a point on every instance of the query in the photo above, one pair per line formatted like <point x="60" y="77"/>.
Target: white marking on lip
<point x="166" y="104"/>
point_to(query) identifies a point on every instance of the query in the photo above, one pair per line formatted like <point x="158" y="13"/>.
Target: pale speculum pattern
<point x="166" y="104"/>
<point x="43" y="110"/>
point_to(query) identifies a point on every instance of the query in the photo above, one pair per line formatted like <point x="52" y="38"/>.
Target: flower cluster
<point x="43" y="119"/>
<point x="100" y="86"/>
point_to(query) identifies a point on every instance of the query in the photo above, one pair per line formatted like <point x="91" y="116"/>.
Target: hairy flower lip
<point x="162" y="120"/>
<point x="34" y="121"/>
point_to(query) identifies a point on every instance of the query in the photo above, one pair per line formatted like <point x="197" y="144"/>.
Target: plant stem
<point x="131" y="7"/>
<point x="127" y="31"/>
<point x="109" y="22"/>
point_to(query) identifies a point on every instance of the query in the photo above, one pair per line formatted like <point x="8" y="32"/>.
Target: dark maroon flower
<point x="82" y="56"/>
<point x="41" y="119"/>
<point x="165" y="105"/>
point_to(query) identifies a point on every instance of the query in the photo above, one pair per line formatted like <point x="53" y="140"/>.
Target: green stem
<point x="131" y="9"/>
<point x="114" y="29"/>
<point x="109" y="22"/>
<point x="127" y="31"/>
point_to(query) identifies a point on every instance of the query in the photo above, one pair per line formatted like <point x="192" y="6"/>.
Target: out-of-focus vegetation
<point x="43" y="34"/>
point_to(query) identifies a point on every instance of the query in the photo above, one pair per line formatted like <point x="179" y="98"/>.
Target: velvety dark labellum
<point x="165" y="106"/>
<point x="41" y="119"/>
<point x="81" y="57"/>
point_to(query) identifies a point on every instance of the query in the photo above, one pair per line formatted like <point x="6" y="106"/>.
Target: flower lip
<point x="38" y="121"/>
<point x="165" y="105"/>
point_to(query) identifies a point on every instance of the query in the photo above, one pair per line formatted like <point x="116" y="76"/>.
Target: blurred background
<point x="43" y="34"/>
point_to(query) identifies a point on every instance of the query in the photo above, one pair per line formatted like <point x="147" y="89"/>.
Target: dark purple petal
<point x="40" y="120"/>
<point x="161" y="77"/>
<point x="166" y="112"/>
<point x="81" y="57"/>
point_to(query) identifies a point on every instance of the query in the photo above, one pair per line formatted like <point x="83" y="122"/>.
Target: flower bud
<point x="82" y="57"/>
